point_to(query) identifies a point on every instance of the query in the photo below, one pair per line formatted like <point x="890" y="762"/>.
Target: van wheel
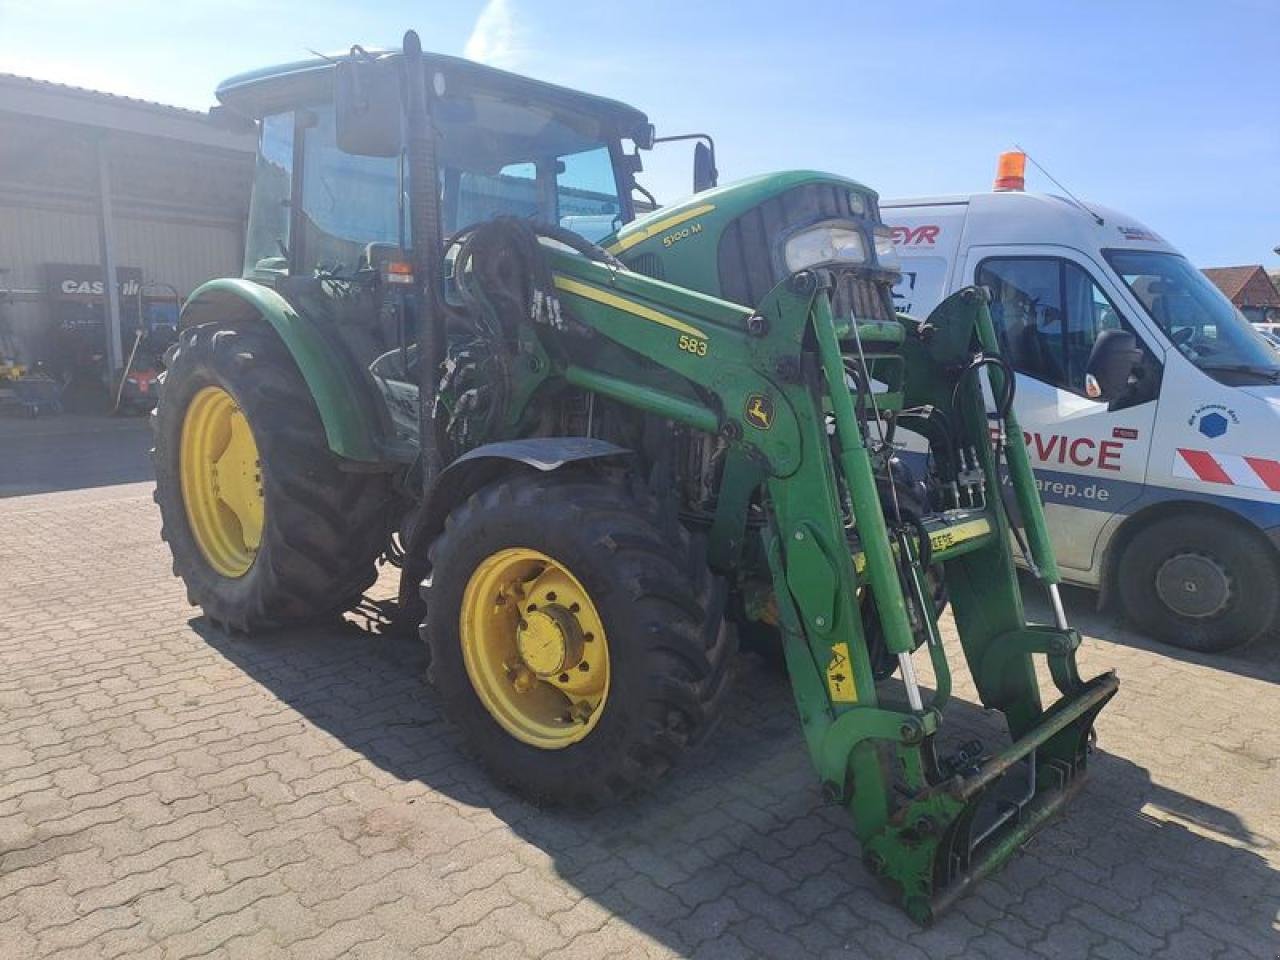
<point x="1199" y="583"/>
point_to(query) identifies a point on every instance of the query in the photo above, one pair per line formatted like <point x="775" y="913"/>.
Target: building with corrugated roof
<point x="93" y="184"/>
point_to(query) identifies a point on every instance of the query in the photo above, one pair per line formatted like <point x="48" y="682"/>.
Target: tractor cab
<point x="330" y="221"/>
<point x="332" y="175"/>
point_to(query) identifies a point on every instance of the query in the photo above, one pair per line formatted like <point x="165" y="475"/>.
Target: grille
<point x="649" y="264"/>
<point x="750" y="263"/>
<point x="749" y="266"/>
<point x="865" y="298"/>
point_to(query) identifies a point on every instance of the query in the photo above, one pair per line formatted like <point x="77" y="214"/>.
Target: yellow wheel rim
<point x="221" y="481"/>
<point x="535" y="648"/>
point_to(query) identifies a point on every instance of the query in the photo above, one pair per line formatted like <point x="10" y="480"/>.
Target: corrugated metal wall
<point x="179" y="213"/>
<point x="181" y="254"/>
<point x="29" y="238"/>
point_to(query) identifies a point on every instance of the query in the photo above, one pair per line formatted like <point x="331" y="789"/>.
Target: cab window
<point x="512" y="191"/>
<point x="1048" y="312"/>
<point x="348" y="201"/>
<point x="587" y="195"/>
<point x="577" y="190"/>
<point x="267" y="240"/>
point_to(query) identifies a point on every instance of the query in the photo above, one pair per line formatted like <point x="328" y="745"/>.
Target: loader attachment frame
<point x="778" y="392"/>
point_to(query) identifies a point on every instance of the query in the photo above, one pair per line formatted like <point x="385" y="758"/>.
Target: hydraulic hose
<point x="1020" y="473"/>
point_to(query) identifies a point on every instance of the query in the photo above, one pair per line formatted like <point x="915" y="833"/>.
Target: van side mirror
<point x="1112" y="361"/>
<point x="705" y="174"/>
<point x="366" y="106"/>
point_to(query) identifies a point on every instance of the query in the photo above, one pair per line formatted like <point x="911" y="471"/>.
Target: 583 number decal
<point x="694" y="345"/>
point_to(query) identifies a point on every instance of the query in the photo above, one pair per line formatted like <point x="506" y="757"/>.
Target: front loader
<point x="589" y="459"/>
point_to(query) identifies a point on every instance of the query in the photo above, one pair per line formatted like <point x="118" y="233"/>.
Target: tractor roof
<point x="274" y="89"/>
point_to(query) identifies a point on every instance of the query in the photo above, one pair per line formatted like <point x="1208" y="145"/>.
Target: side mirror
<point x="1112" y="361"/>
<point x="366" y="106"/>
<point x="644" y="136"/>
<point x="705" y="174"/>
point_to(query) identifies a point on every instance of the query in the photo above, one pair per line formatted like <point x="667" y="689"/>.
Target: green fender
<point x="350" y="429"/>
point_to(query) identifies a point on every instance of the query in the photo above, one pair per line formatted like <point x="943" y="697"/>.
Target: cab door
<point x="1049" y="304"/>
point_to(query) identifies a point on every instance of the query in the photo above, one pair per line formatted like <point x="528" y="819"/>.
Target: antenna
<point x="1074" y="199"/>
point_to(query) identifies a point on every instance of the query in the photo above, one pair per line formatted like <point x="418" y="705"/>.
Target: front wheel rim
<point x="1195" y="586"/>
<point x="534" y="648"/>
<point x="221" y="477"/>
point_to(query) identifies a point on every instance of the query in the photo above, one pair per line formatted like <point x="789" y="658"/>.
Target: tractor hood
<point x="730" y="242"/>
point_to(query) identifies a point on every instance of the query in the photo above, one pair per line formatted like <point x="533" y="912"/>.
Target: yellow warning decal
<point x="840" y="675"/>
<point x="950" y="536"/>
<point x="939" y="540"/>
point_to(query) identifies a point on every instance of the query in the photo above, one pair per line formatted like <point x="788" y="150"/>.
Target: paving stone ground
<point x="168" y="791"/>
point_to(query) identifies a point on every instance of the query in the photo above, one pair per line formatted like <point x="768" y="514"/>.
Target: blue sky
<point x="1169" y="111"/>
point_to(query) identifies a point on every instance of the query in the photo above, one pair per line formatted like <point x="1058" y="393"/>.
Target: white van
<point x="1166" y="494"/>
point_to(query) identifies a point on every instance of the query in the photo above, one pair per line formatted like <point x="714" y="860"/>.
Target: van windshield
<point x="1200" y="322"/>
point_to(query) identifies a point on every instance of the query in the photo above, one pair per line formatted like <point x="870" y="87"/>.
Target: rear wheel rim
<point x="221" y="482"/>
<point x="534" y="648"/>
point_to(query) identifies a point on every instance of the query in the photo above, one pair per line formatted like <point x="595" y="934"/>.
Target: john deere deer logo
<point x="760" y="411"/>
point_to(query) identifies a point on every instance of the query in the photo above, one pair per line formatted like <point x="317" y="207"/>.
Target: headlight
<point x="824" y="245"/>
<point x="886" y="252"/>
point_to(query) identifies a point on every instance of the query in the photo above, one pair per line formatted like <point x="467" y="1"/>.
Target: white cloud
<point x="494" y="39"/>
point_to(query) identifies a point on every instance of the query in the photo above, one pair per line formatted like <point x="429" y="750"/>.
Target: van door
<point x="1049" y="304"/>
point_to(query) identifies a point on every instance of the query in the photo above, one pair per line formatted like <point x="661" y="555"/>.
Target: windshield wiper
<point x="1271" y="374"/>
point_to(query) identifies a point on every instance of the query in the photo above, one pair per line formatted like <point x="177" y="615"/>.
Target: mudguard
<point x="349" y="426"/>
<point x="480" y="466"/>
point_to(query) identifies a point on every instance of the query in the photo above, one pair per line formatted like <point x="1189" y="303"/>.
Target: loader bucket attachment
<point x="950" y="836"/>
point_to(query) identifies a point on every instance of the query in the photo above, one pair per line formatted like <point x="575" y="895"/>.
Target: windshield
<point x="496" y="159"/>
<point x="1200" y="322"/>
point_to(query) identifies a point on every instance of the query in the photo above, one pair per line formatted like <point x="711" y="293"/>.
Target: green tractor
<point x="599" y="447"/>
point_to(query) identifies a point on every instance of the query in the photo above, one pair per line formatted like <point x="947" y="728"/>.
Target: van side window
<point x="1048" y="312"/>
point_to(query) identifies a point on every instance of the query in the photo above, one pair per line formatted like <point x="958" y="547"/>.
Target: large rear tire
<point x="577" y="642"/>
<point x="1199" y="582"/>
<point x="265" y="528"/>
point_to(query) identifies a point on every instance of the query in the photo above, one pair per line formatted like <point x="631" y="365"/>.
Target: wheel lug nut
<point x="564" y="678"/>
<point x="551" y="597"/>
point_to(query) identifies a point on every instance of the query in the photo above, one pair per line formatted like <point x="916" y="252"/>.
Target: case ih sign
<point x="83" y="282"/>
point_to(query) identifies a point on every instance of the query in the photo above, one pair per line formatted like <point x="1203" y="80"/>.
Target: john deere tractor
<point x="599" y="447"/>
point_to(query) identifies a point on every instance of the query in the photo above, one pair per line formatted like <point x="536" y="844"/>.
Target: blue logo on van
<point x="1213" y="424"/>
<point x="1213" y="419"/>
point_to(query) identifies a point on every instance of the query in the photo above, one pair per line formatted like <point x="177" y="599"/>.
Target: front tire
<point x="1199" y="582"/>
<point x="577" y="643"/>
<point x="265" y="528"/>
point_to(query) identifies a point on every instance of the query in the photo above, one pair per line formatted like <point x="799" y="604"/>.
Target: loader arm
<point x="773" y="382"/>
